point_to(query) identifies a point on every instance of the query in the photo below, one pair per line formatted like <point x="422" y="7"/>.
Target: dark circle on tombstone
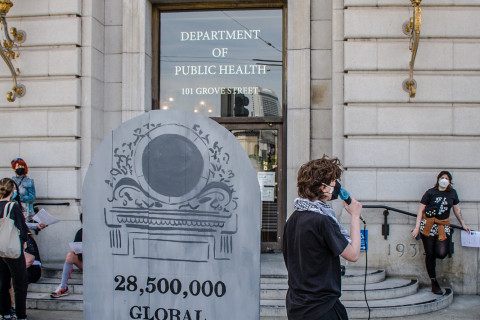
<point x="172" y="165"/>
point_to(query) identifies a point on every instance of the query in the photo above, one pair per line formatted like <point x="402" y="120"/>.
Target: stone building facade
<point x="88" y="66"/>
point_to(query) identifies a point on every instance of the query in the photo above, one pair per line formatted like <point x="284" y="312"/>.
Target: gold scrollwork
<point x="12" y="37"/>
<point x="412" y="29"/>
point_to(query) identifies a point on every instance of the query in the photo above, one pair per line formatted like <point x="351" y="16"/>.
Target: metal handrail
<point x="368" y="206"/>
<point x="51" y="203"/>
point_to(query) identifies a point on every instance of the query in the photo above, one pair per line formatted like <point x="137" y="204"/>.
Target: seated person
<point x="71" y="259"/>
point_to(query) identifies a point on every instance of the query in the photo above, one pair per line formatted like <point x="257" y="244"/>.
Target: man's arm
<point x="352" y="251"/>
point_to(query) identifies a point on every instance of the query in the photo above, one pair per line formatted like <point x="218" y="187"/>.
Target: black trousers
<point x="338" y="312"/>
<point x="434" y="249"/>
<point x="34" y="273"/>
<point x="14" y="269"/>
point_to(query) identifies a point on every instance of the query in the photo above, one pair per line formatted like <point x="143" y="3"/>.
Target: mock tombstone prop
<point x="171" y="209"/>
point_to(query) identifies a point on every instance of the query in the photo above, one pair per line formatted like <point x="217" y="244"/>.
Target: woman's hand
<point x="41" y="226"/>
<point x="464" y="226"/>
<point x="416" y="232"/>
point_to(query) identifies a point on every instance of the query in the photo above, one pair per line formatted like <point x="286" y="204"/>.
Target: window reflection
<point x="222" y="63"/>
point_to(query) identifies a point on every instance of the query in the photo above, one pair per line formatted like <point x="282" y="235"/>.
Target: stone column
<point x="298" y="93"/>
<point x="136" y="58"/>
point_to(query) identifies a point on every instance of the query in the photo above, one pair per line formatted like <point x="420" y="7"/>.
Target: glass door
<point x="227" y="63"/>
<point x="263" y="145"/>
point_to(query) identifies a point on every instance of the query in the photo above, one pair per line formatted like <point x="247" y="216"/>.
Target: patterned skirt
<point x="434" y="230"/>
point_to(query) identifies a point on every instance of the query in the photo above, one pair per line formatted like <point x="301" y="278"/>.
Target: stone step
<point x="38" y="296"/>
<point x="389" y="288"/>
<point x="353" y="275"/>
<point x="272" y="309"/>
<point x="424" y="301"/>
<point x="48" y="285"/>
<point x="273" y="290"/>
<point x="279" y="279"/>
<point x="43" y="301"/>
<point x="55" y="271"/>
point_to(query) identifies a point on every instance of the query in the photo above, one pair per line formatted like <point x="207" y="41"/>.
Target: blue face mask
<point x="14" y="195"/>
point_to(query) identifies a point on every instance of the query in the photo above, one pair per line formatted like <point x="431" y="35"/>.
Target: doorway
<point x="227" y="63"/>
<point x="263" y="144"/>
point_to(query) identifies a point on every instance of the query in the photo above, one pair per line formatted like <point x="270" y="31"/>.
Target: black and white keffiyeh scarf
<point x="320" y="207"/>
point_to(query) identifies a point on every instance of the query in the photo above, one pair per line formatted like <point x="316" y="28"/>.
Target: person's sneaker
<point x="9" y="317"/>
<point x="59" y="292"/>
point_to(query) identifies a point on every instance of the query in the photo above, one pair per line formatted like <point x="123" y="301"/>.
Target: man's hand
<point x="354" y="208"/>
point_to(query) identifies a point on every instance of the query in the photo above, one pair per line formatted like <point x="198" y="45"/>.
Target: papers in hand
<point x="44" y="217"/>
<point x="471" y="240"/>
<point x="76" y="247"/>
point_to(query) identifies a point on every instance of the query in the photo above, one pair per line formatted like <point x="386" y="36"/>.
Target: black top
<point x="441" y="201"/>
<point x="312" y="244"/>
<point x="17" y="216"/>
<point x="78" y="235"/>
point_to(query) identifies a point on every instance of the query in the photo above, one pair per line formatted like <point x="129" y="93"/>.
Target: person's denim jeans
<point x="16" y="270"/>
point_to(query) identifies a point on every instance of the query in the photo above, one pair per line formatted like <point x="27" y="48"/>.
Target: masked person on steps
<point x="26" y="186"/>
<point x="433" y="223"/>
<point x="313" y="242"/>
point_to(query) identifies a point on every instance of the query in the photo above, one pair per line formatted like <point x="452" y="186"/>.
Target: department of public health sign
<point x="171" y="209"/>
<point x="222" y="63"/>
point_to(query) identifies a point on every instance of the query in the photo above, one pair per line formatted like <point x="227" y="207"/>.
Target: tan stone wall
<point x="394" y="146"/>
<point x="45" y="126"/>
<point x="87" y="68"/>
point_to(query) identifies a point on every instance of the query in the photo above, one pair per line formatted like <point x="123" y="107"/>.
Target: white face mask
<point x="443" y="183"/>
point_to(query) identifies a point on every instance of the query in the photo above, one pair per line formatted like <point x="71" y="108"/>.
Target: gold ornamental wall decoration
<point x="11" y="38"/>
<point x="412" y="29"/>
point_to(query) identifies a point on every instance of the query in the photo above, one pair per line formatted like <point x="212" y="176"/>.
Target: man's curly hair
<point x="315" y="172"/>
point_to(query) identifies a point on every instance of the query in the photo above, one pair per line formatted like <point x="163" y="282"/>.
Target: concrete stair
<point x="38" y="296"/>
<point x="387" y="297"/>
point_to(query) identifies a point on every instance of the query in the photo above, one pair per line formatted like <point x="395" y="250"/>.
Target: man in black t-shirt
<point x="313" y="242"/>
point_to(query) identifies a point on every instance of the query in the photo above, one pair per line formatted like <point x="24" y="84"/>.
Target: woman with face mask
<point x="433" y="223"/>
<point x="26" y="186"/>
<point x="13" y="269"/>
